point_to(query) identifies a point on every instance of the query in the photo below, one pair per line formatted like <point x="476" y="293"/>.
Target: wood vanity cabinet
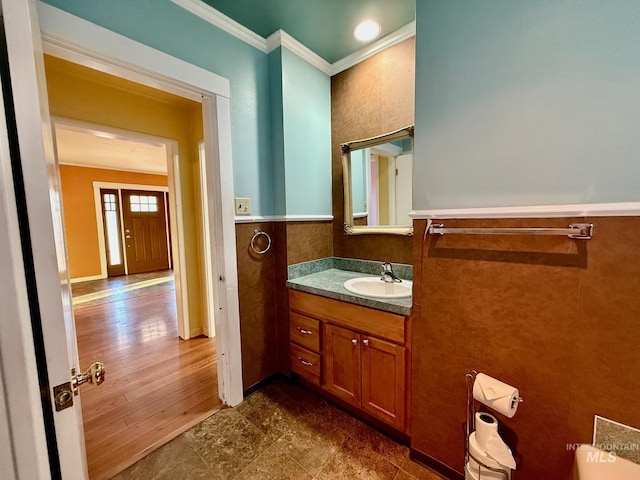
<point x="357" y="354"/>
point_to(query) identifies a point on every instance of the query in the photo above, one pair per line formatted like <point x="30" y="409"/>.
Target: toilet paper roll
<point x="496" y="395"/>
<point x="486" y="426"/>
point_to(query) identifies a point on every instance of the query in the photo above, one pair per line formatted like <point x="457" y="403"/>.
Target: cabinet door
<point x="342" y="363"/>
<point x="383" y="380"/>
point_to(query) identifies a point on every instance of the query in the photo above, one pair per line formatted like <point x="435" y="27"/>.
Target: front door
<point x="145" y="231"/>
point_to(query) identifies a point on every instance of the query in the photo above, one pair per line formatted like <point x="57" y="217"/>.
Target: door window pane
<point x="143" y="203"/>
<point x="111" y="221"/>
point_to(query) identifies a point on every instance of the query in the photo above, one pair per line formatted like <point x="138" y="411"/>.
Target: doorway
<point x="136" y="230"/>
<point x="157" y="385"/>
<point x="54" y="445"/>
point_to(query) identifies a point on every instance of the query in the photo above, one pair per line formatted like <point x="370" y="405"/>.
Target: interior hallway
<point x="282" y="432"/>
<point x="156" y="385"/>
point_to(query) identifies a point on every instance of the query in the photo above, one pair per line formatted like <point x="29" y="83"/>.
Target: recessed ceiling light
<point x="367" y="30"/>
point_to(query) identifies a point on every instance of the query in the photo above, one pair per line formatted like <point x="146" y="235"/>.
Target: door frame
<point x="102" y="242"/>
<point x="71" y="38"/>
<point x="79" y="41"/>
<point x="175" y="211"/>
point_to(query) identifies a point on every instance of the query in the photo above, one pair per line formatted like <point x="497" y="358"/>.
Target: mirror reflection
<point x="378" y="183"/>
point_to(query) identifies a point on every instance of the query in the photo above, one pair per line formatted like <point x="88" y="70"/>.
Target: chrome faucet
<point x="387" y="274"/>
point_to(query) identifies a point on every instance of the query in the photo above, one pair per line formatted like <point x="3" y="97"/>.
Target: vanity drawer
<point x="305" y="363"/>
<point x="304" y="331"/>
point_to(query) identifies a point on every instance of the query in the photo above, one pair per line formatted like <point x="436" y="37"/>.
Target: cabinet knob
<point x="365" y="342"/>
<point x="354" y="341"/>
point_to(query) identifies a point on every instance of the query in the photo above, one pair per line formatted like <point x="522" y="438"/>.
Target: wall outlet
<point x="243" y="206"/>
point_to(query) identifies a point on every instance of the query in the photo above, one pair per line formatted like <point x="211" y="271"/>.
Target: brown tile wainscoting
<point x="556" y="317"/>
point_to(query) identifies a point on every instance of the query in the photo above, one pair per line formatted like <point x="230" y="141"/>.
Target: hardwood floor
<point x="156" y="385"/>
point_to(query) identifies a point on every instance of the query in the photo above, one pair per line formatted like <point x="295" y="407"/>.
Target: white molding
<point x="220" y="20"/>
<point x="623" y="209"/>
<point x="72" y="38"/>
<point x="408" y="31"/>
<point x="117" y="169"/>
<point x="208" y="323"/>
<point x="88" y="279"/>
<point x="283" y="218"/>
<point x="280" y="38"/>
<point x="195" y="332"/>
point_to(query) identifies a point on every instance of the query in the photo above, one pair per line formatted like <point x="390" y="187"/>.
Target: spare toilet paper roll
<point x="486" y="426"/>
<point x="496" y="395"/>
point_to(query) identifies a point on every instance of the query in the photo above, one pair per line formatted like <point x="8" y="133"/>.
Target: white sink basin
<point x="594" y="464"/>
<point x="376" y="288"/>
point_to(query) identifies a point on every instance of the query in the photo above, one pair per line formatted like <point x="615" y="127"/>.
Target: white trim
<point x="408" y="31"/>
<point x="280" y="38"/>
<point x="226" y="24"/>
<point x="131" y="186"/>
<point x="194" y="332"/>
<point x="209" y="325"/>
<point x="88" y="279"/>
<point x="216" y="117"/>
<point x="283" y="218"/>
<point x="623" y="209"/>
<point x="72" y="38"/>
<point x="69" y="37"/>
<point x="115" y="169"/>
<point x="177" y="239"/>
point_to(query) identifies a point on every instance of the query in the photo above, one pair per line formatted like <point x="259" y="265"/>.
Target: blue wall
<point x="277" y="132"/>
<point x="526" y="102"/>
<point x="306" y="100"/>
<point x="164" y="26"/>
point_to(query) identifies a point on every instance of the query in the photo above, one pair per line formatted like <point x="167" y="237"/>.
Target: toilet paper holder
<point x="471" y="425"/>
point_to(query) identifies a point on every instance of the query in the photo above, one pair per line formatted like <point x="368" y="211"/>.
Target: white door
<point x="51" y="308"/>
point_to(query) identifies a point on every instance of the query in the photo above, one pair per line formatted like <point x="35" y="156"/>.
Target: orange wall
<point x="80" y="221"/>
<point x="79" y="93"/>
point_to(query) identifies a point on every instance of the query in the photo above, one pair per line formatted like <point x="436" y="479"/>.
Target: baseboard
<point x="436" y="465"/>
<point x="87" y="279"/>
<point x="261" y="383"/>
<point x="195" y="332"/>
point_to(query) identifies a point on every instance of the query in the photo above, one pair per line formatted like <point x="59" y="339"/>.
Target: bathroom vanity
<point x="355" y="354"/>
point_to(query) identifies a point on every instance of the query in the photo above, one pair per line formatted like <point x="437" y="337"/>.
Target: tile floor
<point x="282" y="432"/>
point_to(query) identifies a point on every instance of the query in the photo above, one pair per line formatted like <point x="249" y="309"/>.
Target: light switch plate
<point x="243" y="206"/>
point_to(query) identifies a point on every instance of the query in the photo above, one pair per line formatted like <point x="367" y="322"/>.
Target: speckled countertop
<point x="324" y="279"/>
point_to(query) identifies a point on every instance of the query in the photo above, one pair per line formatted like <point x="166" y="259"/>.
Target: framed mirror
<point x="378" y="184"/>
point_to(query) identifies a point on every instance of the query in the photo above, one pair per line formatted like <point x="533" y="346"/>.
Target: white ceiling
<point x="88" y="148"/>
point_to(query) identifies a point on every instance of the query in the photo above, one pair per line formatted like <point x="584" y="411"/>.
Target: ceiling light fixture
<point x="367" y="30"/>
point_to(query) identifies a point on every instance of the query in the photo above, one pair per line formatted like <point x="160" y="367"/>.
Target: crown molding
<point x="220" y="20"/>
<point x="408" y="31"/>
<point x="622" y="209"/>
<point x="281" y="38"/>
